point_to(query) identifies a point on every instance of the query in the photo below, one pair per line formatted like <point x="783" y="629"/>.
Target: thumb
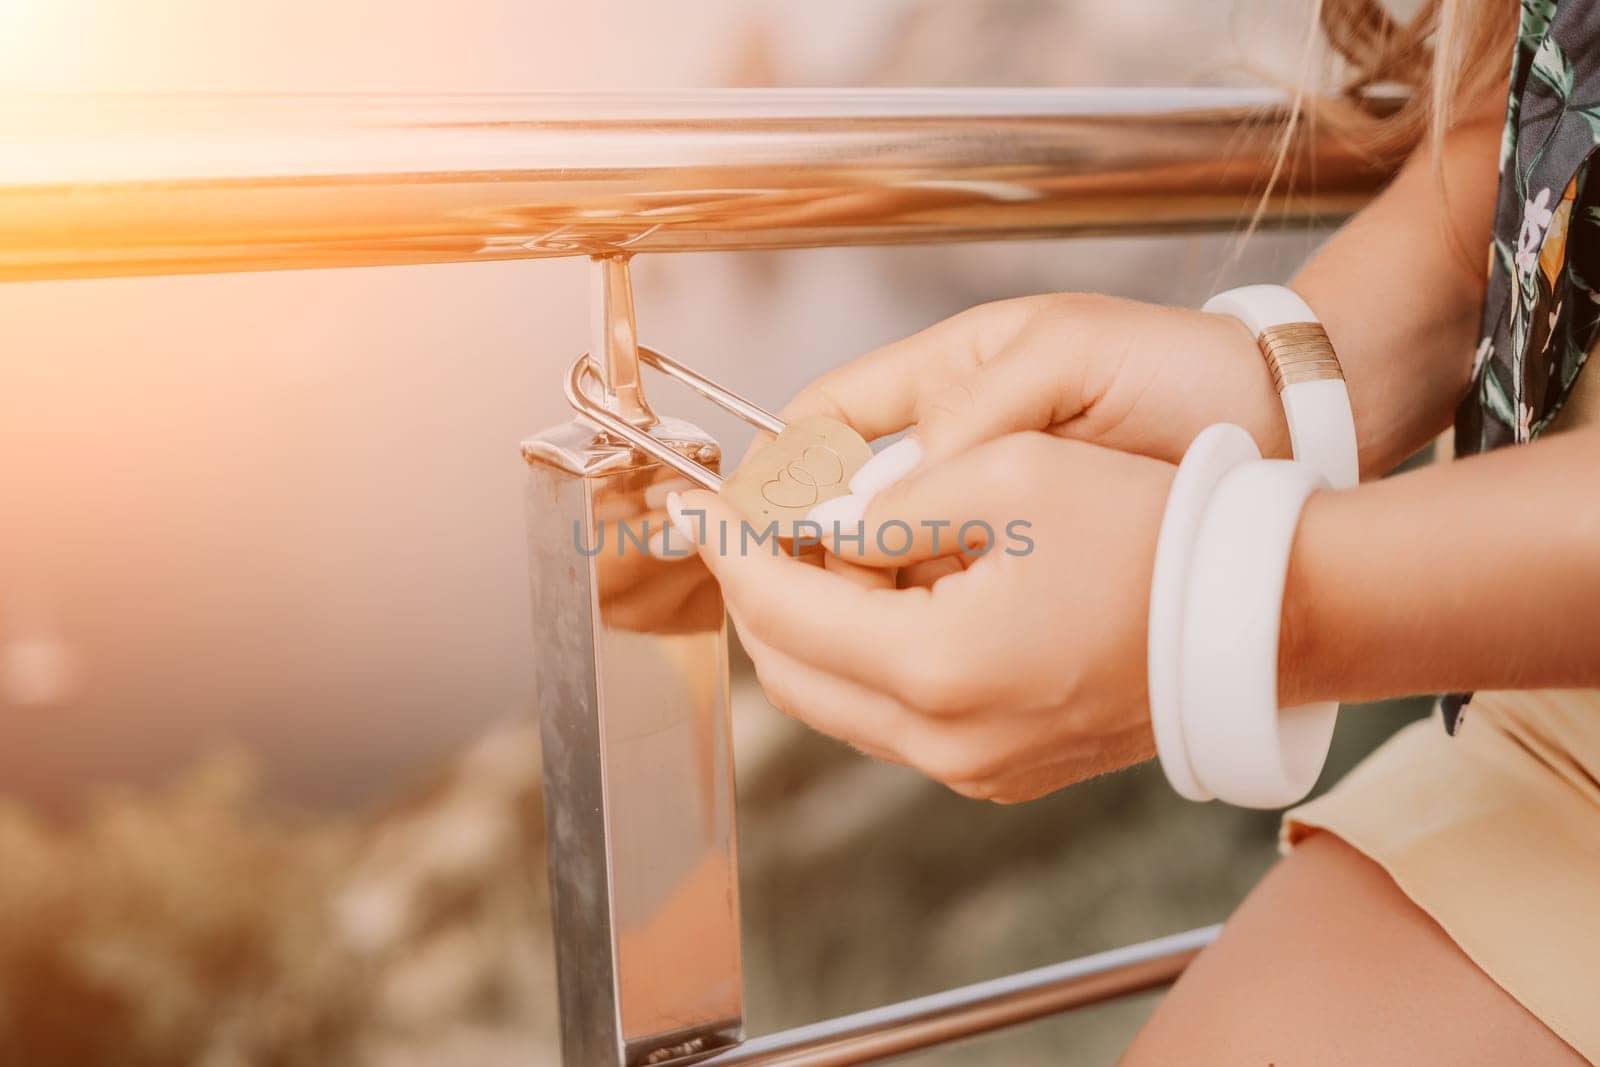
<point x="1024" y="388"/>
<point x="1029" y="386"/>
<point x="884" y="391"/>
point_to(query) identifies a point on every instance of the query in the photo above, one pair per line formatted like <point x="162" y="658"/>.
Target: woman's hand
<point x="1135" y="377"/>
<point x="1006" y="678"/>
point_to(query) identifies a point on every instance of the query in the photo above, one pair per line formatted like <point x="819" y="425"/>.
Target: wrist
<point x="1217" y="590"/>
<point x="1218" y="584"/>
<point x="1259" y="408"/>
<point x="1315" y="643"/>
<point x="1306" y="376"/>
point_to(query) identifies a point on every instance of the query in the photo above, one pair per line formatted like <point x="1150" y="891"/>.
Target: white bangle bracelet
<point x="1306" y="372"/>
<point x="1241" y="747"/>
<point x="1213" y="454"/>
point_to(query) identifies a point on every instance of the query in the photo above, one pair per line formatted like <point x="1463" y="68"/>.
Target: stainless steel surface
<point x="614" y="338"/>
<point x="975" y="1009"/>
<point x="581" y="397"/>
<point x="600" y="409"/>
<point x="631" y="663"/>
<point x="168" y="185"/>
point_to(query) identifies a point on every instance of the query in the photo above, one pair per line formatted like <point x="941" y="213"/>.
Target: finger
<point x="672" y="601"/>
<point x="977" y="757"/>
<point x="929" y="571"/>
<point x="978" y="502"/>
<point x="872" y="722"/>
<point x="884" y="391"/>
<point x="1018" y="787"/>
<point x="892" y="387"/>
<point x="634" y="550"/>
<point x="879" y="637"/>
<point x="856" y="574"/>
<point x="655" y="494"/>
<point x="1028" y="386"/>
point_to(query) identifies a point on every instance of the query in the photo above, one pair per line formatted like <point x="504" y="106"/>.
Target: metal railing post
<point x="632" y="667"/>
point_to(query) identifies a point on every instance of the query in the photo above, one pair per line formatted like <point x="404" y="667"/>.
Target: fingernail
<point x="887" y="467"/>
<point x="841" y="513"/>
<point x="655" y="496"/>
<point x="669" y="545"/>
<point x="680" y="521"/>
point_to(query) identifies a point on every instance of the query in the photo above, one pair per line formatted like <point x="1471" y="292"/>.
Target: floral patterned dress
<point x="1542" y="311"/>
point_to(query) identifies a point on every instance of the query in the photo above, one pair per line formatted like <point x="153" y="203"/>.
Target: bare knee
<point x="1327" y="962"/>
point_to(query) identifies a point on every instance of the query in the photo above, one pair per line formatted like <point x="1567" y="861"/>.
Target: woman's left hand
<point x="1005" y="676"/>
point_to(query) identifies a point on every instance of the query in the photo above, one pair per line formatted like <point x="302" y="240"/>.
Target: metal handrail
<point x="881" y="1033"/>
<point x="94" y="186"/>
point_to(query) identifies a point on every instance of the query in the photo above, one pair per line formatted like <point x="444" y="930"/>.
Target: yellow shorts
<point x="1495" y="833"/>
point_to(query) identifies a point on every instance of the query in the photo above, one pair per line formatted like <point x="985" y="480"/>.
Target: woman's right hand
<point x="1135" y="377"/>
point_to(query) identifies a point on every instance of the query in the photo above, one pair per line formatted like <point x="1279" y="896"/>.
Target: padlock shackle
<point x="584" y="404"/>
<point x="727" y="399"/>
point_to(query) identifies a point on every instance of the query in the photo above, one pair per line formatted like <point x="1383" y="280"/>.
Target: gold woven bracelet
<point x="1298" y="352"/>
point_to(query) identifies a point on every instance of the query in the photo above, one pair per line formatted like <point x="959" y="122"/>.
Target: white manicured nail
<point x="655" y="496"/>
<point x="886" y="468"/>
<point x="669" y="545"/>
<point x="681" y="521"/>
<point x="841" y="513"/>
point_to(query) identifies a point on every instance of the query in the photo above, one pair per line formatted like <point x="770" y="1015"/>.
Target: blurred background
<point x="268" y="767"/>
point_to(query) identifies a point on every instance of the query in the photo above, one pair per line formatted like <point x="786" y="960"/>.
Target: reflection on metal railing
<point x="870" y="1036"/>
<point x="170" y="185"/>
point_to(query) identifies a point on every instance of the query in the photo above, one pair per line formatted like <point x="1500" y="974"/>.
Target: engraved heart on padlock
<point x="794" y="487"/>
<point x="824" y="463"/>
<point x="811" y="462"/>
<point x="800" y="484"/>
